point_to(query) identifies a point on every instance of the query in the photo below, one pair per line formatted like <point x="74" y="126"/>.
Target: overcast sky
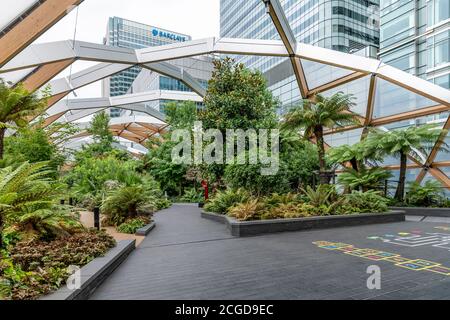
<point x="197" y="18"/>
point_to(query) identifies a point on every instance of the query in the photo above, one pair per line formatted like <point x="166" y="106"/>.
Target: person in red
<point x="205" y="186"/>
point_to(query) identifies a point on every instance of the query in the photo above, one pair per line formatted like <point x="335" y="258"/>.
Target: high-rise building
<point x="415" y="37"/>
<point x="129" y="34"/>
<point x="350" y="26"/>
<point x="344" y="25"/>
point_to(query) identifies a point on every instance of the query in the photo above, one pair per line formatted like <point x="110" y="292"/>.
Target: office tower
<point x="129" y="34"/>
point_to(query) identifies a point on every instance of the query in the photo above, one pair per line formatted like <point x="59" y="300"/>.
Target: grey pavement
<point x="187" y="257"/>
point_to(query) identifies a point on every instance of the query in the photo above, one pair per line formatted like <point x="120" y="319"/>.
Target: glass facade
<point x="343" y="25"/>
<point x="129" y="34"/>
<point x="415" y="37"/>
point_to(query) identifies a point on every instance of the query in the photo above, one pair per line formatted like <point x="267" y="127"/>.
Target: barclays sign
<point x="168" y="35"/>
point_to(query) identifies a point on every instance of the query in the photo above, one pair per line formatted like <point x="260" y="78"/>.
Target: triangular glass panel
<point x="13" y="77"/>
<point x="341" y="138"/>
<point x="359" y="89"/>
<point x="436" y="119"/>
<point x="391" y="99"/>
<point x="11" y="9"/>
<point x="318" y="74"/>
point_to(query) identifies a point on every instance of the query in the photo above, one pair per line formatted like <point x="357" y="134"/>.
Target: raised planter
<point x="94" y="273"/>
<point x="146" y="229"/>
<point x="251" y="228"/>
<point x="424" y="212"/>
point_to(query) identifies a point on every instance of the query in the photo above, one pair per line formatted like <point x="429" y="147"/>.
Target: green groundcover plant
<point x="31" y="269"/>
<point x="132" y="225"/>
<point x="323" y="201"/>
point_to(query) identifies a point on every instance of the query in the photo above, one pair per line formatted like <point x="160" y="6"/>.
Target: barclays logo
<point x="168" y="35"/>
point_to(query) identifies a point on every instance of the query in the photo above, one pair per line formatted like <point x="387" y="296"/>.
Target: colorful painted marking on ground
<point x="377" y="255"/>
<point x="417" y="238"/>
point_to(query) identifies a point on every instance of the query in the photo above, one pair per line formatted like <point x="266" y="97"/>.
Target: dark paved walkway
<point x="187" y="257"/>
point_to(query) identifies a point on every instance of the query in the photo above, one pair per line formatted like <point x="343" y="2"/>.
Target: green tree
<point x="401" y="143"/>
<point x="354" y="154"/>
<point x="18" y="105"/>
<point x="34" y="143"/>
<point x="102" y="136"/>
<point x="99" y="129"/>
<point x="181" y="115"/>
<point x="238" y="98"/>
<point x="158" y="163"/>
<point x="314" y="116"/>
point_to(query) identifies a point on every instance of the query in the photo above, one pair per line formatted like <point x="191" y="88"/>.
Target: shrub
<point x="322" y="196"/>
<point x="288" y="210"/>
<point x="125" y="202"/>
<point x="250" y="178"/>
<point x="90" y="175"/>
<point x="162" y="203"/>
<point x="36" y="268"/>
<point x="223" y="200"/>
<point x="363" y="202"/>
<point x="27" y="199"/>
<point x="276" y="199"/>
<point x="132" y="225"/>
<point x="430" y="194"/>
<point x="192" y="196"/>
<point x="249" y="210"/>
<point x="364" y="179"/>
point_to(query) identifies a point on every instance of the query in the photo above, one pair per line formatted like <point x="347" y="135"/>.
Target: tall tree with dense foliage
<point x="237" y="98"/>
<point x="17" y="106"/>
<point x="314" y="116"/>
<point x="401" y="143"/>
<point x="181" y="115"/>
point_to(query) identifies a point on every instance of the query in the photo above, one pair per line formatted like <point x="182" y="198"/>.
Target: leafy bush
<point x="322" y="196"/>
<point x="321" y="202"/>
<point x="89" y="176"/>
<point x="364" y="179"/>
<point x="277" y="199"/>
<point x="223" y="200"/>
<point x="132" y="225"/>
<point x="192" y="196"/>
<point x="430" y="194"/>
<point x="249" y="177"/>
<point x="289" y="210"/>
<point x="28" y="200"/>
<point x="36" y="268"/>
<point x="363" y="202"/>
<point x="249" y="210"/>
<point x="126" y="202"/>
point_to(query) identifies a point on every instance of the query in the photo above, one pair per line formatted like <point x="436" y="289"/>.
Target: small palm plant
<point x="365" y="179"/>
<point x="426" y="195"/>
<point x="358" y="155"/>
<point x="314" y="116"/>
<point x="28" y="200"/>
<point x="17" y="105"/>
<point x="402" y="143"/>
